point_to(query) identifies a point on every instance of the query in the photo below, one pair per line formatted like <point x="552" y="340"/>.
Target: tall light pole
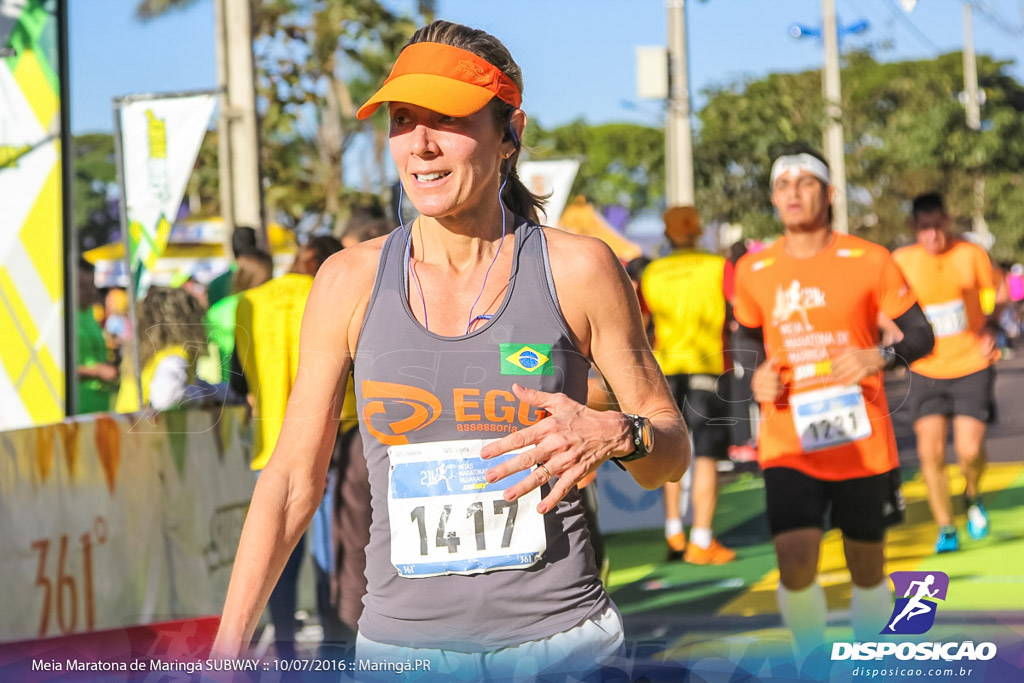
<point x="832" y="90"/>
<point x="678" y="136"/>
<point x="240" y="190"/>
<point x="973" y="108"/>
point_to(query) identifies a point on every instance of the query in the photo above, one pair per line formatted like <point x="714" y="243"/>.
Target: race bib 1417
<point x="446" y="519"/>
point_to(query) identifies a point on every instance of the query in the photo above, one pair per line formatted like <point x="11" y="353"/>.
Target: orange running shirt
<point x="811" y="311"/>
<point x="952" y="288"/>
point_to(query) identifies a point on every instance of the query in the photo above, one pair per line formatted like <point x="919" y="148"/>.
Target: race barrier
<point x="116" y="521"/>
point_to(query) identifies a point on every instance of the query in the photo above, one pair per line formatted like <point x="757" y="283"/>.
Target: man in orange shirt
<point x="955" y="282"/>
<point x="811" y="302"/>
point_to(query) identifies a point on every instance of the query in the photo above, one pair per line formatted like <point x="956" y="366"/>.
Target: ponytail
<point x="517" y="197"/>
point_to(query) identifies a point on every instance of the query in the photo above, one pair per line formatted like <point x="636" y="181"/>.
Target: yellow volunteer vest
<point x="685" y="295"/>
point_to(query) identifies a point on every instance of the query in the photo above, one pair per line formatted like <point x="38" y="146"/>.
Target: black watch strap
<point x="642" y="433"/>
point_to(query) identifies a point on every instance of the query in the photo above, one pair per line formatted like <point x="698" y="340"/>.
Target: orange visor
<point x="445" y="79"/>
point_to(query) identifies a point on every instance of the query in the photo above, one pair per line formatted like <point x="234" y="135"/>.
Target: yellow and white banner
<point x="109" y="521"/>
<point x="31" y="242"/>
<point x="160" y="139"/>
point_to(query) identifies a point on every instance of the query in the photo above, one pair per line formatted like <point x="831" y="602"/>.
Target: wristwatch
<point x="888" y="354"/>
<point x="642" y="434"/>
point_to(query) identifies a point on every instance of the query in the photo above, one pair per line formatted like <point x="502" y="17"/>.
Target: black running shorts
<point x="972" y="395"/>
<point x="706" y="411"/>
<point x="862" y="508"/>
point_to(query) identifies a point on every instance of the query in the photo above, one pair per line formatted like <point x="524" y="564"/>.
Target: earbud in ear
<point x="513" y="135"/>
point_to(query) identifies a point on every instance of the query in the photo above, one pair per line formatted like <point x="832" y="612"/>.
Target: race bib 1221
<point x="830" y="417"/>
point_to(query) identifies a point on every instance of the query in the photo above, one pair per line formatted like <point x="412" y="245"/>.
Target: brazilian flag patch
<point x="526" y="359"/>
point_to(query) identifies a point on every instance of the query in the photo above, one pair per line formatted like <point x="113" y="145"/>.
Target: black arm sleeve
<point x="918" y="337"/>
<point x="748" y="348"/>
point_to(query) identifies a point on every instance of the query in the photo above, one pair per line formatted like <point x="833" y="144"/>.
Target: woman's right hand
<point x="767" y="382"/>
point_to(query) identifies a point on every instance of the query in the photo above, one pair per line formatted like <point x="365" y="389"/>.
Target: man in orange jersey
<point x="811" y="302"/>
<point x="954" y="281"/>
<point x="684" y="292"/>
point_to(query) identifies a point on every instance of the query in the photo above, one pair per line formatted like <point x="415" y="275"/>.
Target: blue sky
<point x="577" y="55"/>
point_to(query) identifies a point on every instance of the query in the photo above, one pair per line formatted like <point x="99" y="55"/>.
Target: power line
<point x="996" y="19"/>
<point x="921" y="36"/>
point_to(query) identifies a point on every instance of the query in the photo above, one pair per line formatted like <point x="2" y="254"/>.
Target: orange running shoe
<point x="716" y="553"/>
<point x="676" y="547"/>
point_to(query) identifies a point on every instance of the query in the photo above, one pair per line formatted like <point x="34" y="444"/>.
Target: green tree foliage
<point x="95" y="173"/>
<point x="315" y="60"/>
<point x="621" y="163"/>
<point x="905" y="133"/>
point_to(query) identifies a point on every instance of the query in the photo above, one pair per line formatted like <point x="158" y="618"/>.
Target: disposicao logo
<point x="526" y="359"/>
<point x="914" y="613"/>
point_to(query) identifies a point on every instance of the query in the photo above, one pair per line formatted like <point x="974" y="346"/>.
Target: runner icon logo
<point x="914" y="612"/>
<point x="796" y="300"/>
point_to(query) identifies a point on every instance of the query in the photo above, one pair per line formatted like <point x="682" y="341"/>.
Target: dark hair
<point x="517" y="196"/>
<point x="736" y="252"/>
<point x="927" y="203"/>
<point x="255" y="267"/>
<point x="243" y="239"/>
<point x="635" y="268"/>
<point x="85" y="265"/>
<point x="322" y="247"/>
<point x="368" y="230"/>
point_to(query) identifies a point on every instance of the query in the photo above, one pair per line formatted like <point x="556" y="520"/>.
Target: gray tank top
<point x="413" y="387"/>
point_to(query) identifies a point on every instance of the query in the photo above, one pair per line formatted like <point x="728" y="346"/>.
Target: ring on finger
<point x="546" y="470"/>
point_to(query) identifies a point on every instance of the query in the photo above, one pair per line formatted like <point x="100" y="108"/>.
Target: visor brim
<point x="438" y="93"/>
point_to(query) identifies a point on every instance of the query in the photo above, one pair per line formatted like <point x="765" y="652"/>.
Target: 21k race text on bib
<point x="830" y="417"/>
<point x="446" y="519"/>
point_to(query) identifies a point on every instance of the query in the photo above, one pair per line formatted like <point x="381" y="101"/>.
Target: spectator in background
<point x="171" y="339"/>
<point x="684" y="292"/>
<point x="635" y="270"/>
<point x="1013" y="315"/>
<point x="117" y="324"/>
<point x="314" y="252"/>
<point x="954" y="385"/>
<point x="268" y="318"/>
<point x="1015" y="283"/>
<point x="254" y="268"/>
<point x="186" y="279"/>
<point x="365" y="223"/>
<point x="243" y="239"/>
<point x="97" y="375"/>
<point x="742" y="407"/>
<point x="363" y="230"/>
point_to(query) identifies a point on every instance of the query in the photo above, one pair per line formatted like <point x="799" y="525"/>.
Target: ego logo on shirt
<point x="391" y="411"/>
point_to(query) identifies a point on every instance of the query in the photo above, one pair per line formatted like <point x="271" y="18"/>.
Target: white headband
<point x="794" y="163"/>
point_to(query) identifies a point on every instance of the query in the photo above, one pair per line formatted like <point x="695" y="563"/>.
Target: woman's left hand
<point x="572" y="441"/>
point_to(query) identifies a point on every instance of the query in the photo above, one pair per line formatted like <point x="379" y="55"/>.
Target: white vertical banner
<point x="550" y="177"/>
<point x="160" y="140"/>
